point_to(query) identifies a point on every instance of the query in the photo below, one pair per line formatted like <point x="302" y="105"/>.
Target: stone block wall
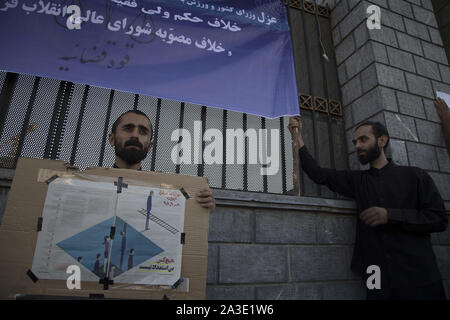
<point x="270" y="247"/>
<point x="282" y="247"/>
<point x="278" y="247"/>
<point x="392" y="75"/>
<point x="264" y="246"/>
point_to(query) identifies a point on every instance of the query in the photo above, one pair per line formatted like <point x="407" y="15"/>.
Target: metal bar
<point x="311" y="89"/>
<point x="224" y="148"/>
<point x="292" y="44"/>
<point x="244" y="127"/>
<point x="136" y="101"/>
<point x="48" y="151"/>
<point x="63" y="113"/>
<point x="263" y="126"/>
<point x="155" y="134"/>
<point x="6" y="95"/>
<point x="201" y="166"/>
<point x="105" y="129"/>
<point x="295" y="155"/>
<point x="79" y="123"/>
<point x="26" y="120"/>
<point x="327" y="96"/>
<point x="180" y="125"/>
<point x="283" y="157"/>
<point x="340" y="100"/>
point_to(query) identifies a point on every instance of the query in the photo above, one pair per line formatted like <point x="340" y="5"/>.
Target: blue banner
<point x="230" y="54"/>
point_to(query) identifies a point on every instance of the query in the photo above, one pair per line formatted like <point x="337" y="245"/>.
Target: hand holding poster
<point x="235" y="55"/>
<point x="68" y="221"/>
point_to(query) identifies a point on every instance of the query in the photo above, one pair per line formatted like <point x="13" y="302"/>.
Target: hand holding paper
<point x="295" y="127"/>
<point x="441" y="107"/>
<point x="442" y="104"/>
<point x="443" y="96"/>
<point x="206" y="199"/>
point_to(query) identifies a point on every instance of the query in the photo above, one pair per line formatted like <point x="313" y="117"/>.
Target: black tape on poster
<point x="32" y="276"/>
<point x="112" y="233"/>
<point x="119" y="183"/>
<point x="51" y="179"/>
<point x="39" y="224"/>
<point x="176" y="284"/>
<point x="106" y="282"/>
<point x="185" y="194"/>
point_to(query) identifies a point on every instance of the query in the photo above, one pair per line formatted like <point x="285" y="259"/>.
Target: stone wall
<point x="270" y="246"/>
<point x="280" y="247"/>
<point x="392" y="75"/>
<point x="265" y="246"/>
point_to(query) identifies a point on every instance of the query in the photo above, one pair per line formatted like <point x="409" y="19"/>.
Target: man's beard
<point x="370" y="155"/>
<point x="131" y="155"/>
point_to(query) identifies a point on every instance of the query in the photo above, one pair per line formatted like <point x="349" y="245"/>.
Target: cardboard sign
<point x="47" y="233"/>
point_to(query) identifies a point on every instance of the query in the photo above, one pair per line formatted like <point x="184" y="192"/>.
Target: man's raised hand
<point x="295" y="127"/>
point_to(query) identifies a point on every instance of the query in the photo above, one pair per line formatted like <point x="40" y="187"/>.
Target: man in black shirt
<point x="397" y="209"/>
<point x="131" y="136"/>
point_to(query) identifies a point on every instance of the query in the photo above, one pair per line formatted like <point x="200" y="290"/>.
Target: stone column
<point x="391" y="75"/>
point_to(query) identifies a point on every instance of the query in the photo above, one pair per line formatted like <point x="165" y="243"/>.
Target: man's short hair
<point x="116" y="123"/>
<point x="378" y="130"/>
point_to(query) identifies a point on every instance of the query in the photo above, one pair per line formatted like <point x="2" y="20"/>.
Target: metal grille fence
<point x="46" y="118"/>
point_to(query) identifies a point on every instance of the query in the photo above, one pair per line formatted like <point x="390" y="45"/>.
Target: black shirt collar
<point x="385" y="169"/>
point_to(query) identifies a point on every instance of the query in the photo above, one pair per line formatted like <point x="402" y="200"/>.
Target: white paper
<point x="444" y="96"/>
<point x="77" y="220"/>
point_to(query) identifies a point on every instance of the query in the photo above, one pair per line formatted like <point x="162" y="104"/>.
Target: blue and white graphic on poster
<point x="228" y="54"/>
<point x="145" y="247"/>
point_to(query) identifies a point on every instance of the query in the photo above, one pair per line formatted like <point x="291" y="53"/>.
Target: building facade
<point x="282" y="247"/>
<point x="275" y="237"/>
